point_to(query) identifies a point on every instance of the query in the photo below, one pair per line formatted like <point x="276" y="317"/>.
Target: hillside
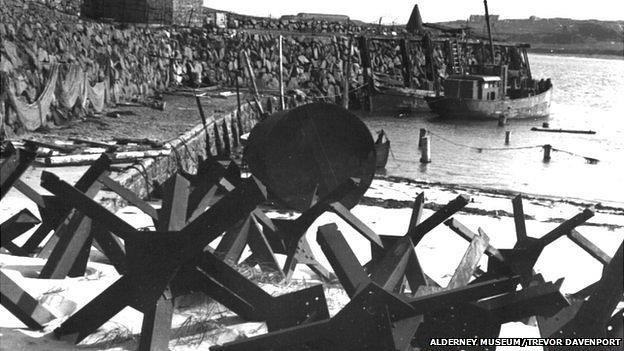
<point x="558" y="35"/>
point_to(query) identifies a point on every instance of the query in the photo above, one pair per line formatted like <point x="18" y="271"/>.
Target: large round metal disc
<point x="312" y="148"/>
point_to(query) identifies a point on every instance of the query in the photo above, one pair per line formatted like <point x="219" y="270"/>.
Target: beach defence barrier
<point x="394" y="303"/>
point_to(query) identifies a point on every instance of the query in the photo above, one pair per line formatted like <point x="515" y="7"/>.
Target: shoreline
<point x="599" y="205"/>
<point x="597" y="54"/>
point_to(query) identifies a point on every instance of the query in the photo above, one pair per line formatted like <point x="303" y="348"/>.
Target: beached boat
<point x="479" y="96"/>
<point x="502" y="87"/>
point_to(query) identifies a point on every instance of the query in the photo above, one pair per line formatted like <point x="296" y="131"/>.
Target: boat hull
<point x="529" y="107"/>
<point x="401" y="99"/>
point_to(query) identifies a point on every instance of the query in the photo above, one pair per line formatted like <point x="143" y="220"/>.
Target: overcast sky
<point x="398" y="11"/>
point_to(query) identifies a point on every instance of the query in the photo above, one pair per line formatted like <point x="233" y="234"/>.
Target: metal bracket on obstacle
<point x="227" y="286"/>
<point x="591" y="317"/>
<point x="384" y="322"/>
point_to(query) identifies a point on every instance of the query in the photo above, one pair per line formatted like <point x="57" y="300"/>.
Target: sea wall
<point x="221" y="134"/>
<point x="136" y="61"/>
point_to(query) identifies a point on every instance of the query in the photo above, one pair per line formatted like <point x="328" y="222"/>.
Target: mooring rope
<point x="484" y="148"/>
<point x="590" y="160"/>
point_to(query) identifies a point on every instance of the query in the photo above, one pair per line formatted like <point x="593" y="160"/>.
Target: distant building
<point x="316" y="16"/>
<point x="215" y="17"/>
<point x="481" y="18"/>
<point x="168" y="12"/>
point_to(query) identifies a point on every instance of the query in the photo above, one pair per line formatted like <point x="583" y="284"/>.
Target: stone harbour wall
<point x="140" y="60"/>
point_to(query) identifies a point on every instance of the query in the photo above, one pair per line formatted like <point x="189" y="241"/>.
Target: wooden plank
<point x="468" y="235"/>
<point x="466" y="268"/>
<point x="94" y="143"/>
<point x="66" y="149"/>
<point x="116" y="157"/>
<point x="572" y="131"/>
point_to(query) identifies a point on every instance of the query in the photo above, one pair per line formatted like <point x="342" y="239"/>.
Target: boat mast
<point x="487" y="21"/>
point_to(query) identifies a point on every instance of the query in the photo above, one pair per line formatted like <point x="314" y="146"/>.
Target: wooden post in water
<point x="507" y="134"/>
<point x="281" y="73"/>
<point x="421" y="137"/>
<point x="547" y="149"/>
<point x="425" y="151"/>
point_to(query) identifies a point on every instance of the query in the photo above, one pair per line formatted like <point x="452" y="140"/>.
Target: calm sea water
<point x="588" y="95"/>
